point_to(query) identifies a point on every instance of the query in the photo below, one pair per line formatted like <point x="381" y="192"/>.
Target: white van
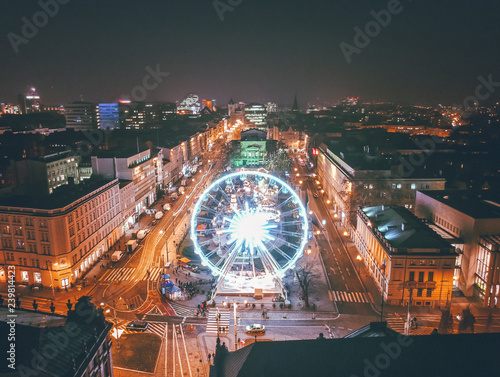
<point x="116" y="256"/>
<point x="141" y="234"/>
<point x="131" y="246"/>
<point x="158" y="215"/>
<point x="166" y="207"/>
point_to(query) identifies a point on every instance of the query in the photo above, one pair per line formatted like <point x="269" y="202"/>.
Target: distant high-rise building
<point x="168" y="110"/>
<point x="350" y="101"/>
<point x="6" y="108"/>
<point x="295" y="107"/>
<point x="271" y="107"/>
<point x="107" y="116"/>
<point x="30" y="101"/>
<point x="255" y="115"/>
<point x="81" y="116"/>
<point x="231" y="107"/>
<point x="190" y="105"/>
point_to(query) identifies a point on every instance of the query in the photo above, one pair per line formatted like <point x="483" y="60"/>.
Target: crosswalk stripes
<point x="225" y="316"/>
<point x="396" y="323"/>
<point x="125" y="273"/>
<point x="351" y="297"/>
<point x="135" y="302"/>
<point x="154" y="274"/>
<point x="119" y="274"/>
<point x="157" y="328"/>
<point x="182" y="311"/>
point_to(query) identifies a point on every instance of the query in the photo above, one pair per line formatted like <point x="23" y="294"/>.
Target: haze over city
<point x="261" y="51"/>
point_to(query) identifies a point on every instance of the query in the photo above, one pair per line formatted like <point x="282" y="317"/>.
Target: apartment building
<point x="56" y="240"/>
<point x="44" y="174"/>
<point x="471" y="223"/>
<point x="129" y="165"/>
<point x="407" y="259"/>
<point x="293" y="139"/>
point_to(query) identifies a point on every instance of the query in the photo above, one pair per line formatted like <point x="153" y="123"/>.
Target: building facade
<point x="44" y="174"/>
<point x="108" y="117"/>
<point x="361" y="181"/>
<point x="472" y="225"/>
<point x="130" y="166"/>
<point x="81" y="116"/>
<point x="407" y="259"/>
<point x="55" y="241"/>
<point x="255" y="115"/>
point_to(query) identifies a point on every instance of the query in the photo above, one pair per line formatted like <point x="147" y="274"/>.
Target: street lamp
<point x="235" y="328"/>
<point x="51" y="278"/>
<point x="116" y="326"/>
<point x="360" y="259"/>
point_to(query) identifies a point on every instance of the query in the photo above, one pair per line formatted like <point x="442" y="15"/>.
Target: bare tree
<point x="308" y="278"/>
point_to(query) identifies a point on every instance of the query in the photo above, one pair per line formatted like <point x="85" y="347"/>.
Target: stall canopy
<point x="184" y="260"/>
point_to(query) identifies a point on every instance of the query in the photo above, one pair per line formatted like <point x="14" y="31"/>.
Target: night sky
<point x="431" y="52"/>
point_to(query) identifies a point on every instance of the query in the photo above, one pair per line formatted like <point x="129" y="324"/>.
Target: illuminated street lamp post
<point x="235" y="328"/>
<point x="51" y="279"/>
<point x="360" y="259"/>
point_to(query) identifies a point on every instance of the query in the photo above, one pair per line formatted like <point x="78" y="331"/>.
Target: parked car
<point x="137" y="326"/>
<point x="315" y="195"/>
<point x="255" y="329"/>
<point x="154" y="222"/>
<point x="193" y="268"/>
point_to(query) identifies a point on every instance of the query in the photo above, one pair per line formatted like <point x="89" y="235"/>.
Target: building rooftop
<point x="402" y="229"/>
<point x="253" y="134"/>
<point x="71" y="342"/>
<point x="475" y="206"/>
<point x="119" y="152"/>
<point x="412" y="356"/>
<point x="56" y="156"/>
<point x="60" y="198"/>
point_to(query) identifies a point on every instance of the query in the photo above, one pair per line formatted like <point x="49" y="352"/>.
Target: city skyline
<point x="259" y="52"/>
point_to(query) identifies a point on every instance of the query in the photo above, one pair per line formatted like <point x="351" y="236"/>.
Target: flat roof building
<point x="407" y="259"/>
<point x="472" y="224"/>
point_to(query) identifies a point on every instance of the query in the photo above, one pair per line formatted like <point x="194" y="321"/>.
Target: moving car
<point x="137" y="326"/>
<point x="255" y="329"/>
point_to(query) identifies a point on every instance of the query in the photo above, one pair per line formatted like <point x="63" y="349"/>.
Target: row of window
<point x="421" y="276"/>
<point x="452" y="228"/>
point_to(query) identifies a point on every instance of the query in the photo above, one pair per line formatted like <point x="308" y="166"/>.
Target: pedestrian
<point x="209" y="356"/>
<point x="52" y="307"/>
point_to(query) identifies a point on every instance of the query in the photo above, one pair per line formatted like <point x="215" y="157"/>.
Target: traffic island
<point x="137" y="352"/>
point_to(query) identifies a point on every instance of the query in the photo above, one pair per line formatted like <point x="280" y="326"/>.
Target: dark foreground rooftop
<point x="389" y="356"/>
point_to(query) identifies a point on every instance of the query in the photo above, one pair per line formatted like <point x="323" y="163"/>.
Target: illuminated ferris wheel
<point x="249" y="227"/>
